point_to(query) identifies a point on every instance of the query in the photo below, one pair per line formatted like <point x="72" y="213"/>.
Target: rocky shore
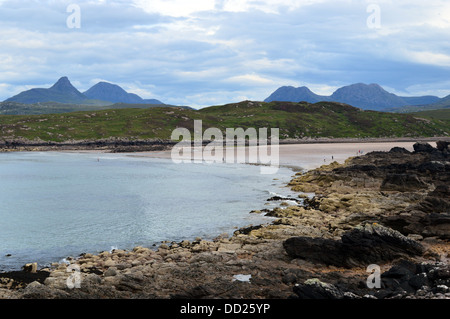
<point x="126" y="145"/>
<point x="389" y="209"/>
<point x="118" y="145"/>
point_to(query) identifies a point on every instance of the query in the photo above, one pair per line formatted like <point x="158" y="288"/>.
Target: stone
<point x="321" y="250"/>
<point x="442" y="145"/>
<point x="228" y="248"/>
<point x="112" y="271"/>
<point x="316" y="289"/>
<point x="423" y="147"/>
<point x="361" y="246"/>
<point x="31" y="268"/>
<point x="109" y="263"/>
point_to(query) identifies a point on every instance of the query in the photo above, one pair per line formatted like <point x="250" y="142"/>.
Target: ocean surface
<point x="55" y="205"/>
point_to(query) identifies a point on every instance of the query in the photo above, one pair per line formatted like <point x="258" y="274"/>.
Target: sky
<point x="211" y="52"/>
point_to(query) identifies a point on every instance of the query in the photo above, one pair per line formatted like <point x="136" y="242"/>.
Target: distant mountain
<point x="111" y="92"/>
<point x="64" y="92"/>
<point x="291" y="94"/>
<point x="443" y="103"/>
<point x="364" y="96"/>
<point x="422" y="100"/>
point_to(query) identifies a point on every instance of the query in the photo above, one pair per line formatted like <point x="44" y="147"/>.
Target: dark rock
<point x="418" y="281"/>
<point x="399" y="150"/>
<point x="320" y="250"/>
<point x="313" y="203"/>
<point x="432" y="167"/>
<point x="315" y="289"/>
<point x="404" y="269"/>
<point x="402" y="183"/>
<point x="407" y="278"/>
<point x="21" y="278"/>
<point x="421" y="147"/>
<point x="375" y="243"/>
<point x="247" y="230"/>
<point x="361" y="246"/>
<point x="442" y="145"/>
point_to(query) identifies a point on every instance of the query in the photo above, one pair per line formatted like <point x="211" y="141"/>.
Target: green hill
<point x="325" y="119"/>
<point x="295" y="120"/>
<point x="15" y="108"/>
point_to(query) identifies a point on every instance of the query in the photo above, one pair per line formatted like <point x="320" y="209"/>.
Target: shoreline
<point x="123" y="145"/>
<point x="256" y="239"/>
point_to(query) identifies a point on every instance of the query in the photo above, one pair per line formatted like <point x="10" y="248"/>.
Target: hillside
<point x="295" y="120"/>
<point x="443" y="103"/>
<point x="440" y="115"/>
<point x="14" y="108"/>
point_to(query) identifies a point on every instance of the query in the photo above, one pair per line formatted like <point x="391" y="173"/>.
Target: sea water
<point x="59" y="204"/>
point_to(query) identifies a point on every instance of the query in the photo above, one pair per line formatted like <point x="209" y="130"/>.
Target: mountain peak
<point x="62" y="83"/>
<point x="62" y="91"/>
<point x="63" y="86"/>
<point x="292" y="94"/>
<point x="112" y="92"/>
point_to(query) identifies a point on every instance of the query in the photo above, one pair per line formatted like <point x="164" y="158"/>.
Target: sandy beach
<point x="311" y="156"/>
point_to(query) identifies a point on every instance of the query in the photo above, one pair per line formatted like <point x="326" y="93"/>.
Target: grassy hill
<point x="295" y="120"/>
<point x="15" y="108"/>
<point x="325" y="119"/>
<point x="440" y="116"/>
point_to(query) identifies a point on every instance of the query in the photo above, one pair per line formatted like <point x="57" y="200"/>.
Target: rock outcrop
<point x="359" y="247"/>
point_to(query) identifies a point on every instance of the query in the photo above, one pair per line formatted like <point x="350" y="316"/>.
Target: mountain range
<point x="63" y="91"/>
<point x="364" y="96"/>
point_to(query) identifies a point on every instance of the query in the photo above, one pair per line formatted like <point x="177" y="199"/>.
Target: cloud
<point x="216" y="51"/>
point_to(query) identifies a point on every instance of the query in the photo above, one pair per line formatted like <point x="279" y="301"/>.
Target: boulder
<point x="320" y="250"/>
<point x="359" y="247"/>
<point x="316" y="289"/>
<point x="421" y="147"/>
<point x="409" y="277"/>
<point x="442" y="145"/>
<point x="375" y="243"/>
<point x="400" y="150"/>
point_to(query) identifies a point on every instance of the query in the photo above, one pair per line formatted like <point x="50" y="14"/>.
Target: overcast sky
<point x="210" y="52"/>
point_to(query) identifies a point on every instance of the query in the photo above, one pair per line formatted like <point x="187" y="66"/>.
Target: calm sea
<point x="54" y="205"/>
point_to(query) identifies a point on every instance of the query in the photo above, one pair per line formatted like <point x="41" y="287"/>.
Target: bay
<point x="59" y="204"/>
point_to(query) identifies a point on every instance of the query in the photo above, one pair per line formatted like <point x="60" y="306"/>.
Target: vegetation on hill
<point x="295" y="120"/>
<point x="14" y="108"/>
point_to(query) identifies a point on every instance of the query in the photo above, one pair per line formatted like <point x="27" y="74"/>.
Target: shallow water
<point x="54" y="205"/>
